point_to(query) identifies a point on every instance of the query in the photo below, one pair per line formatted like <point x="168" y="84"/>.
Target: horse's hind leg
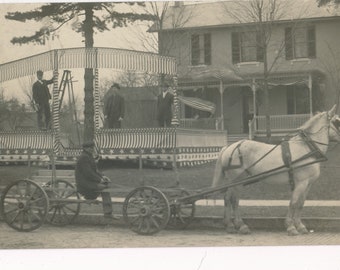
<point x="228" y="223"/>
<point x="238" y="221"/>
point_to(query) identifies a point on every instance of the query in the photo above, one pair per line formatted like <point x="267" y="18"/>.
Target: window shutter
<point x="235" y="47"/>
<point x="195" y="50"/>
<point x="311" y="42"/>
<point x="259" y="48"/>
<point x="207" y="49"/>
<point x="289" y="43"/>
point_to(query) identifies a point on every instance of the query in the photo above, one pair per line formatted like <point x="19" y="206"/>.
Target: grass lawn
<point x="196" y="178"/>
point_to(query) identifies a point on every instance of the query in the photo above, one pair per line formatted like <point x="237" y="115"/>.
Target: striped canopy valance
<point x="89" y="58"/>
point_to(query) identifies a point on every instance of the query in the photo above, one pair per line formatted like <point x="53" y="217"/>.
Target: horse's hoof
<point x="302" y="230"/>
<point x="292" y="231"/>
<point x="230" y="229"/>
<point x="244" y="229"/>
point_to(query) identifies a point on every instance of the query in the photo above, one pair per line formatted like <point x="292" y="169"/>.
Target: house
<point x="222" y="54"/>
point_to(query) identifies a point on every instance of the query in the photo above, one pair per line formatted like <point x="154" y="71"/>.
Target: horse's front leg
<point x="293" y="220"/>
<point x="238" y="221"/>
<point x="228" y="223"/>
<point x="298" y="210"/>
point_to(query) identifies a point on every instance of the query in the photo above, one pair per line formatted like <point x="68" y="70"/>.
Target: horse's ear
<point x="331" y="112"/>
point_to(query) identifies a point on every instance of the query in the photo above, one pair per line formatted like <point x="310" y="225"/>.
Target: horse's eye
<point x="336" y="123"/>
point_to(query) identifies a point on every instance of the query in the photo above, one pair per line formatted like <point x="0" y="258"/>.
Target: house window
<point x="246" y="47"/>
<point x="297" y="99"/>
<point x="300" y="42"/>
<point x="201" y="49"/>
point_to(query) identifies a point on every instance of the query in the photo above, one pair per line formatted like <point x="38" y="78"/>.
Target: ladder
<point x="66" y="83"/>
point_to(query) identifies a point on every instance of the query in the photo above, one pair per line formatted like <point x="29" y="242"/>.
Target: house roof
<point x="230" y="13"/>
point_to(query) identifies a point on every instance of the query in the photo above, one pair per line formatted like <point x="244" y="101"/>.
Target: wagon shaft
<point x="246" y="181"/>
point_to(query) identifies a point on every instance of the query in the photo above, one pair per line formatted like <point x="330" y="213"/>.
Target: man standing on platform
<point x="114" y="108"/>
<point x="41" y="97"/>
<point x="164" y="106"/>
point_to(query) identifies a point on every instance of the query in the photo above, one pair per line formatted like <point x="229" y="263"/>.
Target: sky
<point x="65" y="37"/>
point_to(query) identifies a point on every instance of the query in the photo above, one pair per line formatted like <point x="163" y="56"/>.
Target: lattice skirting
<point x="185" y="156"/>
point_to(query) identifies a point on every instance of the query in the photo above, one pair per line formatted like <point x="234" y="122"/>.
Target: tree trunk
<point x="266" y="91"/>
<point x="88" y="77"/>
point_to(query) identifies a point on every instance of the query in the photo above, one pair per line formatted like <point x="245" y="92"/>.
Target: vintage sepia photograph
<point x="170" y="129"/>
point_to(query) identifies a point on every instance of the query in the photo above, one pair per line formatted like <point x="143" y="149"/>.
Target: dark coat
<point x="41" y="93"/>
<point x="164" y="106"/>
<point x="88" y="177"/>
<point x="114" y="107"/>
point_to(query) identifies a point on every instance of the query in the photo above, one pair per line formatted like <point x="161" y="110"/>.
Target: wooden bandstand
<point x="166" y="147"/>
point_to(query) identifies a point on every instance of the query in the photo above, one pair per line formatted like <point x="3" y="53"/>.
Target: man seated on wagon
<point x="91" y="182"/>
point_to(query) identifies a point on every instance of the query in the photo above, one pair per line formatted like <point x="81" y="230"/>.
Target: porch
<point x="257" y="125"/>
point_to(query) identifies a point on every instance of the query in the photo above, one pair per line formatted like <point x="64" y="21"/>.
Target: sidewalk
<point x="258" y="214"/>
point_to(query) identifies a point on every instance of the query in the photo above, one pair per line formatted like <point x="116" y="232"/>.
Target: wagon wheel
<point x="24" y="205"/>
<point x="181" y="213"/>
<point x="62" y="210"/>
<point x="146" y="210"/>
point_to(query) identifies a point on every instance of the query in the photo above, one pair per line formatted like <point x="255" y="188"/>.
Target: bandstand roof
<point x="70" y="58"/>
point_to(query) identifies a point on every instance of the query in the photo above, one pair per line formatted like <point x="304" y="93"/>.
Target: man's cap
<point x="39" y="72"/>
<point x="88" y="144"/>
<point x="115" y="85"/>
<point x="165" y="84"/>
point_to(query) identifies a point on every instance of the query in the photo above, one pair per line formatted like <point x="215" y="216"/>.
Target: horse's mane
<point x="313" y="124"/>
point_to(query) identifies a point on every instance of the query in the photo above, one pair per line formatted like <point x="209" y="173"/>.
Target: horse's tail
<point x="219" y="171"/>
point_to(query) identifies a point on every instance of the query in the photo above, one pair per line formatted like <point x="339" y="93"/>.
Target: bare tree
<point x="260" y="17"/>
<point x="332" y="68"/>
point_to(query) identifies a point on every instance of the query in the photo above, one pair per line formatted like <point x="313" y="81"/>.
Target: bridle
<point x="329" y="126"/>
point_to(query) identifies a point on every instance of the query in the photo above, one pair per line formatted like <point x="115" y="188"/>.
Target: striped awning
<point x="70" y="58"/>
<point x="199" y="104"/>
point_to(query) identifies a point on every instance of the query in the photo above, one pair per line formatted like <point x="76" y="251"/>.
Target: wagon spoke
<point x="36" y="216"/>
<point x="54" y="212"/>
<point x="70" y="209"/>
<point x="148" y="226"/>
<point x="154" y="222"/>
<point x="15" y="217"/>
<point x="140" y="224"/>
<point x="11" y="211"/>
<point x="64" y="211"/>
<point x="29" y="218"/>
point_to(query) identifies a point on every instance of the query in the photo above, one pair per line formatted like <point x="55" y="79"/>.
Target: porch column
<point x="222" y="107"/>
<point x="253" y="88"/>
<point x="310" y="85"/>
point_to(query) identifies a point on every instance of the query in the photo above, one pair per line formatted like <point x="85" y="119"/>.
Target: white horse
<point x="295" y="161"/>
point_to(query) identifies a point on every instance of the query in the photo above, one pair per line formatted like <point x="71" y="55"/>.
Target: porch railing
<point x="281" y="122"/>
<point x="201" y="123"/>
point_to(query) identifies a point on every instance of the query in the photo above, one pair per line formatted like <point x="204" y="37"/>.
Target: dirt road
<point x="96" y="247"/>
<point x="108" y="236"/>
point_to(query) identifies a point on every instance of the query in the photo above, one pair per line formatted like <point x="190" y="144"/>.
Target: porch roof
<point x="247" y="78"/>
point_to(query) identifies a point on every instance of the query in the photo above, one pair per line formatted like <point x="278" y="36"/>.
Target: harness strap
<point x="287" y="161"/>
<point x="229" y="166"/>
<point x="312" y="145"/>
